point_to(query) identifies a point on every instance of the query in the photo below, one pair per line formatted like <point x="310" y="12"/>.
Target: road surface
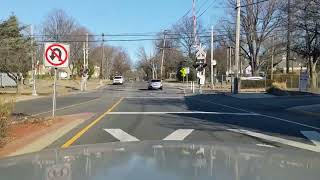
<point x="130" y="112"/>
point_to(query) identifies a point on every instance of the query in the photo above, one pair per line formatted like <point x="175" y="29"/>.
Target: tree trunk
<point x="313" y="75"/>
<point x="18" y="88"/>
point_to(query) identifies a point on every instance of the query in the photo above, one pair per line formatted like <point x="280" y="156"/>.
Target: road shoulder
<point x="35" y="137"/>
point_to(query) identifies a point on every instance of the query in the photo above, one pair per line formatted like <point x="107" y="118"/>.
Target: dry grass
<point x="6" y="108"/>
<point x="279" y="85"/>
<point x="44" y="87"/>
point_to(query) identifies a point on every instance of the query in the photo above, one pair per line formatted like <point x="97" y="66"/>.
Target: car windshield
<point x="75" y="74"/>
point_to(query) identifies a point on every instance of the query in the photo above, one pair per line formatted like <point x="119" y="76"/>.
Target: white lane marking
<point x="313" y="136"/>
<point x="178" y="135"/>
<point x="183" y="112"/>
<point x="277" y="139"/>
<point x="154" y="97"/>
<point x="263" y="115"/>
<point x="265" y="145"/>
<point x="121" y="135"/>
<point x="65" y="107"/>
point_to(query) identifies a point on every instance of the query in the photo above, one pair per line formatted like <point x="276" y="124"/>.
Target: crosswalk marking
<point x="313" y="136"/>
<point x="121" y="135"/>
<point x="178" y="135"/>
<point x="278" y="140"/>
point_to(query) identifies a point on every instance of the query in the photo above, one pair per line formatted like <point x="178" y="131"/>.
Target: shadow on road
<point x="221" y="122"/>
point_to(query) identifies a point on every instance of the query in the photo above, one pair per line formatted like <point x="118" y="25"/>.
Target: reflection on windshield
<point x="163" y="162"/>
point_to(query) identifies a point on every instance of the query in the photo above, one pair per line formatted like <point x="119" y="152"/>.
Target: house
<point x="6" y="81"/>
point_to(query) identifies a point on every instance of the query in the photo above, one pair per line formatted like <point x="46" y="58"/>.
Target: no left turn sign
<point x="56" y="55"/>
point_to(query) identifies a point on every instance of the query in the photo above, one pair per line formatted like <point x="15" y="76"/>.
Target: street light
<point x="34" y="91"/>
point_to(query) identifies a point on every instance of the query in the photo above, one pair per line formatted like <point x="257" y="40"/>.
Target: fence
<point x="288" y="81"/>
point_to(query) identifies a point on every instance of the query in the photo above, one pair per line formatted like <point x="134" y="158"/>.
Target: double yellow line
<point x="85" y="129"/>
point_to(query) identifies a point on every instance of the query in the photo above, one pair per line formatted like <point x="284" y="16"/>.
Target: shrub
<point x="253" y="84"/>
<point x="278" y="89"/>
<point x="292" y="80"/>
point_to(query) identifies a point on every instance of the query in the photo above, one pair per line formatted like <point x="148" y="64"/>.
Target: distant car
<point x="118" y="80"/>
<point x="155" y="84"/>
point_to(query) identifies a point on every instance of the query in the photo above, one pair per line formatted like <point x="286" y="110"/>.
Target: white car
<point x="155" y="84"/>
<point x="118" y="80"/>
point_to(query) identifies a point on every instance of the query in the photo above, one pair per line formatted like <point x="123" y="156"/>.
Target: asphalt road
<point x="131" y="113"/>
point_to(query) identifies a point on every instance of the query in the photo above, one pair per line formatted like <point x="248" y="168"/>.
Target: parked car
<point x="155" y="84"/>
<point x="118" y="80"/>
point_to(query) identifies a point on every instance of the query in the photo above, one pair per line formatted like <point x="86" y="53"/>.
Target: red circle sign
<point x="50" y="48"/>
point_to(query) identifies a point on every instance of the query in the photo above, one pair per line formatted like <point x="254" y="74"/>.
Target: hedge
<point x="254" y="84"/>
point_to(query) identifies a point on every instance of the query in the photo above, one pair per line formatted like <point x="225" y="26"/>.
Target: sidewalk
<point x="313" y="110"/>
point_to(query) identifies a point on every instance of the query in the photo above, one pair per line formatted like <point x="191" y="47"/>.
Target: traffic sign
<point x="201" y="54"/>
<point x="187" y="70"/>
<point x="183" y="72"/>
<point x="56" y="55"/>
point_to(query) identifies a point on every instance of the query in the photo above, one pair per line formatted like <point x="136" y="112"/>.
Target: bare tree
<point x="121" y="63"/>
<point x="58" y="26"/>
<point x="77" y="37"/>
<point x="306" y="23"/>
<point x="258" y="21"/>
<point x="183" y="32"/>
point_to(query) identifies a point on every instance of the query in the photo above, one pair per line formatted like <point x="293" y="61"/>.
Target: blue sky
<point x="113" y="17"/>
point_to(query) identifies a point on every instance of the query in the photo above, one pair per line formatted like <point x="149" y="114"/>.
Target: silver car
<point x="155" y="84"/>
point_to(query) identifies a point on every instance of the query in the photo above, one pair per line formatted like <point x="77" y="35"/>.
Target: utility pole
<point x="162" y="58"/>
<point x="84" y="54"/>
<point x="237" y="50"/>
<point x="272" y="57"/>
<point x="102" y="57"/>
<point x="212" y="84"/>
<point x="288" y="37"/>
<point x="34" y="91"/>
<point x="85" y="70"/>
<point x="87" y="50"/>
<point x="230" y="60"/>
<point x="194" y="21"/>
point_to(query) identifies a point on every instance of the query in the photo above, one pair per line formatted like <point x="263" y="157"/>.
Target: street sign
<point x="56" y="55"/>
<point x="303" y="81"/>
<point x="201" y="54"/>
<point x="183" y="72"/>
<point x="187" y="70"/>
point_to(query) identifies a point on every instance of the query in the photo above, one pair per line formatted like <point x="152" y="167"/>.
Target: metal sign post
<point x="56" y="56"/>
<point x="54" y="93"/>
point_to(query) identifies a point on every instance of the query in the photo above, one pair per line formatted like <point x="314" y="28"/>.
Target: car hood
<point x="164" y="160"/>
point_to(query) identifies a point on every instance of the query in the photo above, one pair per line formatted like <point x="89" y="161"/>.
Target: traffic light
<point x="200" y="65"/>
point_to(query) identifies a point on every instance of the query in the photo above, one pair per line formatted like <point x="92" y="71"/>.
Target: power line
<point x="200" y="7"/>
<point x="214" y="1"/>
<point x="258" y="2"/>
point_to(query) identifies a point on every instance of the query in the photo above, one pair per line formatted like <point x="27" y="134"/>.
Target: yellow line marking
<point x="85" y="129"/>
